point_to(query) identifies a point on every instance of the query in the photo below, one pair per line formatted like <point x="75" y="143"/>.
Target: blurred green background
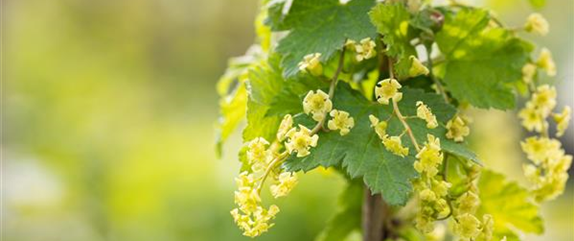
<point x="109" y="110"/>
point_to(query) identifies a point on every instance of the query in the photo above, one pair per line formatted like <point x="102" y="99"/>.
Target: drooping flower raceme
<point x="250" y="216"/>
<point x="425" y="113"/>
<point x="429" y="157"/>
<point x="312" y="64"/>
<point x="536" y="23"/>
<point x="301" y="141"/>
<point x="387" y="89"/>
<point x="341" y="121"/>
<point x="317" y="104"/>
<point x="549" y="172"/>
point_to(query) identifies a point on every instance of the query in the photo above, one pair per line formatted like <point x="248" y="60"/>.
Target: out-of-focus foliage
<point x="108" y="122"/>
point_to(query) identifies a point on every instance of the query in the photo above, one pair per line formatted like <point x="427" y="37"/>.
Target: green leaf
<point x="233" y="95"/>
<point x="481" y="62"/>
<point x="232" y="109"/>
<point x="392" y="21"/>
<point x="362" y="153"/>
<point x="348" y="217"/>
<point x="319" y="26"/>
<point x="510" y="206"/>
<point x="264" y="83"/>
<point x="290" y="98"/>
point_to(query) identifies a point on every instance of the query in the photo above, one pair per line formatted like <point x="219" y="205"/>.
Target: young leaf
<point x="362" y="153"/>
<point x="264" y="83"/>
<point x="510" y="206"/>
<point x="319" y="26"/>
<point x="348" y="217"/>
<point x="481" y="62"/>
<point x="392" y="21"/>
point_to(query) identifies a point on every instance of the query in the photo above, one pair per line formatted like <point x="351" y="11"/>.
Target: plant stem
<point x="375" y="210"/>
<point x="400" y="116"/>
<point x="275" y="161"/>
<point x="332" y="87"/>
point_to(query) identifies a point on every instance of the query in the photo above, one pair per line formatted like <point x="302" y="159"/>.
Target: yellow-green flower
<point x="532" y="118"/>
<point x="417" y="68"/>
<point x="312" y="64"/>
<point x="301" y="141"/>
<point x="457" y="129"/>
<point x="425" y="113"/>
<point x="365" y="50"/>
<point x="341" y="121"/>
<point x="546" y="62"/>
<point x="387" y="89"/>
<point x="536" y="23"/>
<point x="317" y="104"/>
<point x="528" y="72"/>
<point x="284" y="127"/>
<point x="379" y="126"/>
<point x="394" y="145"/>
<point x="286" y="182"/>
<point x="562" y="121"/>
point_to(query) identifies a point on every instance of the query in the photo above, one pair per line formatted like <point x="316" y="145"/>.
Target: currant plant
<point x="379" y="92"/>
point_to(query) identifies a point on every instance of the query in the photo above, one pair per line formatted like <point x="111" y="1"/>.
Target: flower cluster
<point x="251" y="217"/>
<point x="466" y="225"/>
<point x="538" y="109"/>
<point x="263" y="158"/>
<point x="365" y="49"/>
<point x="432" y="190"/>
<point x="548" y="173"/>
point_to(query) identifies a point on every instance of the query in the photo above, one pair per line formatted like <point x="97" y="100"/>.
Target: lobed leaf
<point x="510" y="206"/>
<point x="482" y="62"/>
<point x="318" y="26"/>
<point x="362" y="153"/>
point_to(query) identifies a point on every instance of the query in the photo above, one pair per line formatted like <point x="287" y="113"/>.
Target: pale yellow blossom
<point x="536" y="23"/>
<point x="562" y="121"/>
<point x="546" y="62"/>
<point x="301" y="141"/>
<point x="424" y="112"/>
<point x="317" y="104"/>
<point x="394" y="145"/>
<point x="341" y="121"/>
<point x="312" y="64"/>
<point x="417" y="68"/>
<point x="457" y="129"/>
<point x="387" y="89"/>
<point x="286" y="182"/>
